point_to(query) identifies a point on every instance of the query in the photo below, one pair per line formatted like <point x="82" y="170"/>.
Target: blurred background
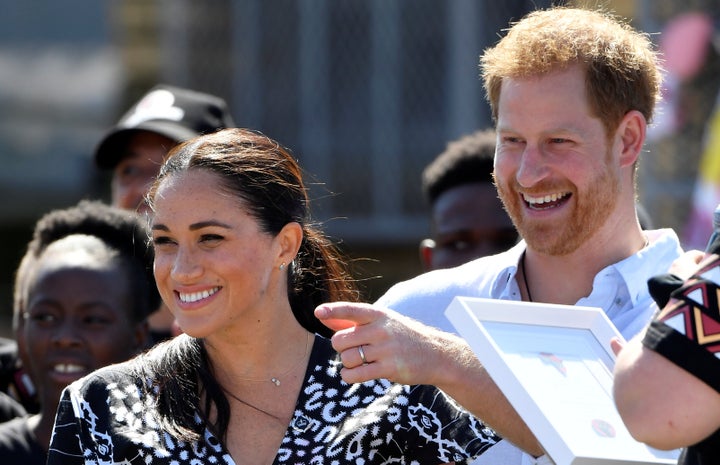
<point x="364" y="92"/>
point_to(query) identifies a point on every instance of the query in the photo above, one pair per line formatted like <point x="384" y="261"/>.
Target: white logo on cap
<point x="158" y="104"/>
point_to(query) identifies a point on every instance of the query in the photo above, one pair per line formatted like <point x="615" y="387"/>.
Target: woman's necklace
<point x="248" y="404"/>
<point x="276" y="379"/>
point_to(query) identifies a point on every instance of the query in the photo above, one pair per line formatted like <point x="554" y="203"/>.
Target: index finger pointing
<point x="343" y="315"/>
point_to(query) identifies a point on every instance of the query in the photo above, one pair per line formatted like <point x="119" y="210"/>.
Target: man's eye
<point x="456" y="245"/>
<point x="128" y="172"/>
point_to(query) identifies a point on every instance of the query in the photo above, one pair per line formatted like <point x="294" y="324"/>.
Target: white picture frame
<point x="555" y="366"/>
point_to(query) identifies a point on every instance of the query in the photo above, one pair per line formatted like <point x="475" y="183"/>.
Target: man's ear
<point x="632" y="132"/>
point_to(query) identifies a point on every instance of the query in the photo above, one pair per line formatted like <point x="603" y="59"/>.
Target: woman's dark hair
<point x="268" y="181"/>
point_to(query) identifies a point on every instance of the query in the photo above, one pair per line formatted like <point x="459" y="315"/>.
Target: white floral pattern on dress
<point x="108" y="419"/>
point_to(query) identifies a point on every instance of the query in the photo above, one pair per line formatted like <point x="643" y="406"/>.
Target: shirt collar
<point x="635" y="270"/>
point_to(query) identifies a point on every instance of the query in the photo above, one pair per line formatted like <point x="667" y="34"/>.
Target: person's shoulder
<point x="15" y="435"/>
<point x="470" y="278"/>
<point x="19" y="445"/>
<point x="106" y="378"/>
<point x="145" y="363"/>
<point x="425" y="297"/>
<point x="10" y="408"/>
<point x="13" y="427"/>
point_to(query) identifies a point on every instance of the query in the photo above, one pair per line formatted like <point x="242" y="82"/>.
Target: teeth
<point x="195" y="296"/>
<point x="68" y="368"/>
<point x="545" y="199"/>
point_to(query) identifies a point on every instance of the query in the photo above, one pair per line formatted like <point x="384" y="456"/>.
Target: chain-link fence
<point x="365" y="92"/>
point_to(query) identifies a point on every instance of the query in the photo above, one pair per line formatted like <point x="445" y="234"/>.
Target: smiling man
<point x="571" y="92"/>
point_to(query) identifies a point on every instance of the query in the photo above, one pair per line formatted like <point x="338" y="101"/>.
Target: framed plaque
<point x="555" y="366"/>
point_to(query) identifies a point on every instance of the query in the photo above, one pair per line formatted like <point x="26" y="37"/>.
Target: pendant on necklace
<point x="275" y="381"/>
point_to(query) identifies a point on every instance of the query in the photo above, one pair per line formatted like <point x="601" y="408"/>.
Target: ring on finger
<point x="362" y="355"/>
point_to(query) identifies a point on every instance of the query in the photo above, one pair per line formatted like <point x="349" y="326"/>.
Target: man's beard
<point x="591" y="209"/>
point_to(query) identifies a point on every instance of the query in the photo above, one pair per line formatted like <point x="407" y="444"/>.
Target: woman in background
<point x="83" y="292"/>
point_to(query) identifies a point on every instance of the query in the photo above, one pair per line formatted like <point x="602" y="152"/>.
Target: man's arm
<point x="405" y="351"/>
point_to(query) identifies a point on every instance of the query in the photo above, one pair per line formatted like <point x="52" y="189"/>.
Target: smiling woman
<point x="82" y="293"/>
<point x="254" y="376"/>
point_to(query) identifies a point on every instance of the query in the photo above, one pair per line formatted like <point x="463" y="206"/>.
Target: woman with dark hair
<point x="253" y="379"/>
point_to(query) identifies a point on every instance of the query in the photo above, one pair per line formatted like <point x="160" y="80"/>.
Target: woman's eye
<point x="210" y="238"/>
<point x="161" y="240"/>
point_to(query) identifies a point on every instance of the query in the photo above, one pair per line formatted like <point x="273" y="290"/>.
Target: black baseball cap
<point x="176" y="113"/>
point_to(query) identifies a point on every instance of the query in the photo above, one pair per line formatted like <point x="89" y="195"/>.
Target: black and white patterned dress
<point x="106" y="418"/>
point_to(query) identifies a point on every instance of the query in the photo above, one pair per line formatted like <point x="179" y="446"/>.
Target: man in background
<point x="467" y="219"/>
<point x="135" y="147"/>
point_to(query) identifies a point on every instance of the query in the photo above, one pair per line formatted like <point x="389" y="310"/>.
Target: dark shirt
<point x="702" y="453"/>
<point x="18" y="445"/>
<point x="10" y="408"/>
<point x="14" y="381"/>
